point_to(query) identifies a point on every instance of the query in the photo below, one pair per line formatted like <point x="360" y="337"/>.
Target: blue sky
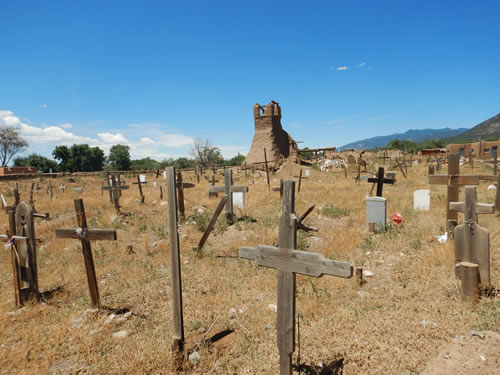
<point x="156" y="74"/>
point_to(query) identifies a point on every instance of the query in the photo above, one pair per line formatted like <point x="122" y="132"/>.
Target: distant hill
<point x="415" y="135"/>
<point x="487" y="130"/>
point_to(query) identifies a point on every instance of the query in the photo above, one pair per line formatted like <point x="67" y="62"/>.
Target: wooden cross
<point x="86" y="235"/>
<point x="453" y="180"/>
<point x="380" y="181"/>
<point x="229" y="189"/>
<point x="289" y="262"/>
<point x="472" y="242"/>
<point x="115" y="189"/>
<point x="175" y="263"/>
<point x="180" y="192"/>
<point x="280" y="188"/>
<point x="211" y="194"/>
<point x="267" y="170"/>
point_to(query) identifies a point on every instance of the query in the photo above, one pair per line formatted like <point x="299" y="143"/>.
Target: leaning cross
<point x="115" y="189"/>
<point x="85" y="235"/>
<point x="289" y="262"/>
<point x="472" y="242"/>
<point x="380" y="181"/>
<point x="229" y="189"/>
<point x="453" y="180"/>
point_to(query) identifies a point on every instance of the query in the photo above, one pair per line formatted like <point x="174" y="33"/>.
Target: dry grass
<point x="379" y="333"/>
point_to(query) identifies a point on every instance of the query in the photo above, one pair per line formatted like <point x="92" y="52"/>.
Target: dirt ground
<point x="402" y="320"/>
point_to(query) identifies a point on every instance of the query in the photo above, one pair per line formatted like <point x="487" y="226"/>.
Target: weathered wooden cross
<point x="289" y="262"/>
<point x="472" y="242"/>
<point x="380" y="181"/>
<point x="139" y="184"/>
<point x="453" y="180"/>
<point x="211" y="194"/>
<point x="180" y="192"/>
<point x="86" y="235"/>
<point x="229" y="189"/>
<point x="115" y="189"/>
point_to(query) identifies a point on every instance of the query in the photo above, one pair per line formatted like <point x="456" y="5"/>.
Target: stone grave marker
<point x="422" y="200"/>
<point x="376" y="212"/>
<point x="229" y="189"/>
<point x="289" y="261"/>
<point x="308" y="172"/>
<point x="239" y="199"/>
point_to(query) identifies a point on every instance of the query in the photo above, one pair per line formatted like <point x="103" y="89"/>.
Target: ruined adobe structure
<point x="270" y="135"/>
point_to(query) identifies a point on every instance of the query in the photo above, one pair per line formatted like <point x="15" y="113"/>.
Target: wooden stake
<point x="300" y="180"/>
<point x="267" y="171"/>
<point x="175" y="264"/>
<point x="211" y="225"/>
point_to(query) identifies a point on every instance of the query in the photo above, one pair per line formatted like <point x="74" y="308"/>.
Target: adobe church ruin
<point x="270" y="135"/>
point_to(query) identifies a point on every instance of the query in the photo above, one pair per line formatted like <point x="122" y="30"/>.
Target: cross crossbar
<point x="90" y="234"/>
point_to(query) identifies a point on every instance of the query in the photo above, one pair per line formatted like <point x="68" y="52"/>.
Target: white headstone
<point x="307" y="172"/>
<point x="142" y="178"/>
<point x="238" y="199"/>
<point x="422" y="200"/>
<point x="376" y="211"/>
<point x="155" y="184"/>
<point x="164" y="175"/>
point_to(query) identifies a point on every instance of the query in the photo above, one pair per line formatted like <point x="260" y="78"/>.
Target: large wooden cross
<point x="472" y="242"/>
<point x="380" y="181"/>
<point x="453" y="180"/>
<point x="289" y="262"/>
<point x="115" y="189"/>
<point x="229" y="189"/>
<point x="86" y="235"/>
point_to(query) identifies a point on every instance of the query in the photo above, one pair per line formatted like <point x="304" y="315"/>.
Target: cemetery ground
<point x="397" y="322"/>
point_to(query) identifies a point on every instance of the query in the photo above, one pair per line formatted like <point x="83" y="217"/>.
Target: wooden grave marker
<point x="453" y="180"/>
<point x="175" y="264"/>
<point x="139" y="185"/>
<point x="212" y="194"/>
<point x="86" y="235"/>
<point x="472" y="242"/>
<point x="280" y="188"/>
<point x="228" y="190"/>
<point x="380" y="181"/>
<point x="267" y="171"/>
<point x="180" y="192"/>
<point x="115" y="189"/>
<point x="289" y="262"/>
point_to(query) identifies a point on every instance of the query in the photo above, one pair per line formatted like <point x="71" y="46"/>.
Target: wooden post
<point x="470" y="281"/>
<point x="175" y="264"/>
<point x="288" y="262"/>
<point x="267" y="171"/>
<point x="211" y="224"/>
<point x="431" y="170"/>
<point x="114" y="190"/>
<point x="85" y="235"/>
<point x="161" y="193"/>
<point x="140" y="188"/>
<point x="180" y="192"/>
<point x="300" y="180"/>
<point x="497" y="200"/>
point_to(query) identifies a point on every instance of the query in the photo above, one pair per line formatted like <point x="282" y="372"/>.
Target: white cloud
<point x="342" y="67"/>
<point x="135" y="125"/>
<point x="44" y="105"/>
<point x="361" y="65"/>
<point x="146" y="141"/>
<point x="66" y="126"/>
<point x="110" y="138"/>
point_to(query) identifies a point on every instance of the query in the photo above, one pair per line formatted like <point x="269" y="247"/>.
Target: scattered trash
<point x="492" y="187"/>
<point x="273" y="307"/>
<point x="232" y="313"/>
<point x="397" y="218"/>
<point x="194" y="358"/>
<point x="120" y="334"/>
<point x="367" y="273"/>
<point x="428" y="323"/>
<point x="443" y="238"/>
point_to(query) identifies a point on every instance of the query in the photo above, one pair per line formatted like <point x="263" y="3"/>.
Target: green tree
<point x="11" y="143"/>
<point x="146" y="164"/>
<point x="79" y="158"/>
<point x="237" y="160"/>
<point x="39" y="162"/>
<point x="119" y="158"/>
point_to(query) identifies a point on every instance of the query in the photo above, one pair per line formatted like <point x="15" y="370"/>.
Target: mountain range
<point x="486" y="130"/>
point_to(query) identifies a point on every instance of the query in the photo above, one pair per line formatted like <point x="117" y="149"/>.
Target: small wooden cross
<point x="472" y="242"/>
<point x="211" y="194"/>
<point x="289" y="262"/>
<point x="380" y="181"/>
<point x="180" y="192"/>
<point x="140" y="188"/>
<point x="229" y="189"/>
<point x="86" y="235"/>
<point x="115" y="189"/>
<point x="280" y="188"/>
<point x="453" y="180"/>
